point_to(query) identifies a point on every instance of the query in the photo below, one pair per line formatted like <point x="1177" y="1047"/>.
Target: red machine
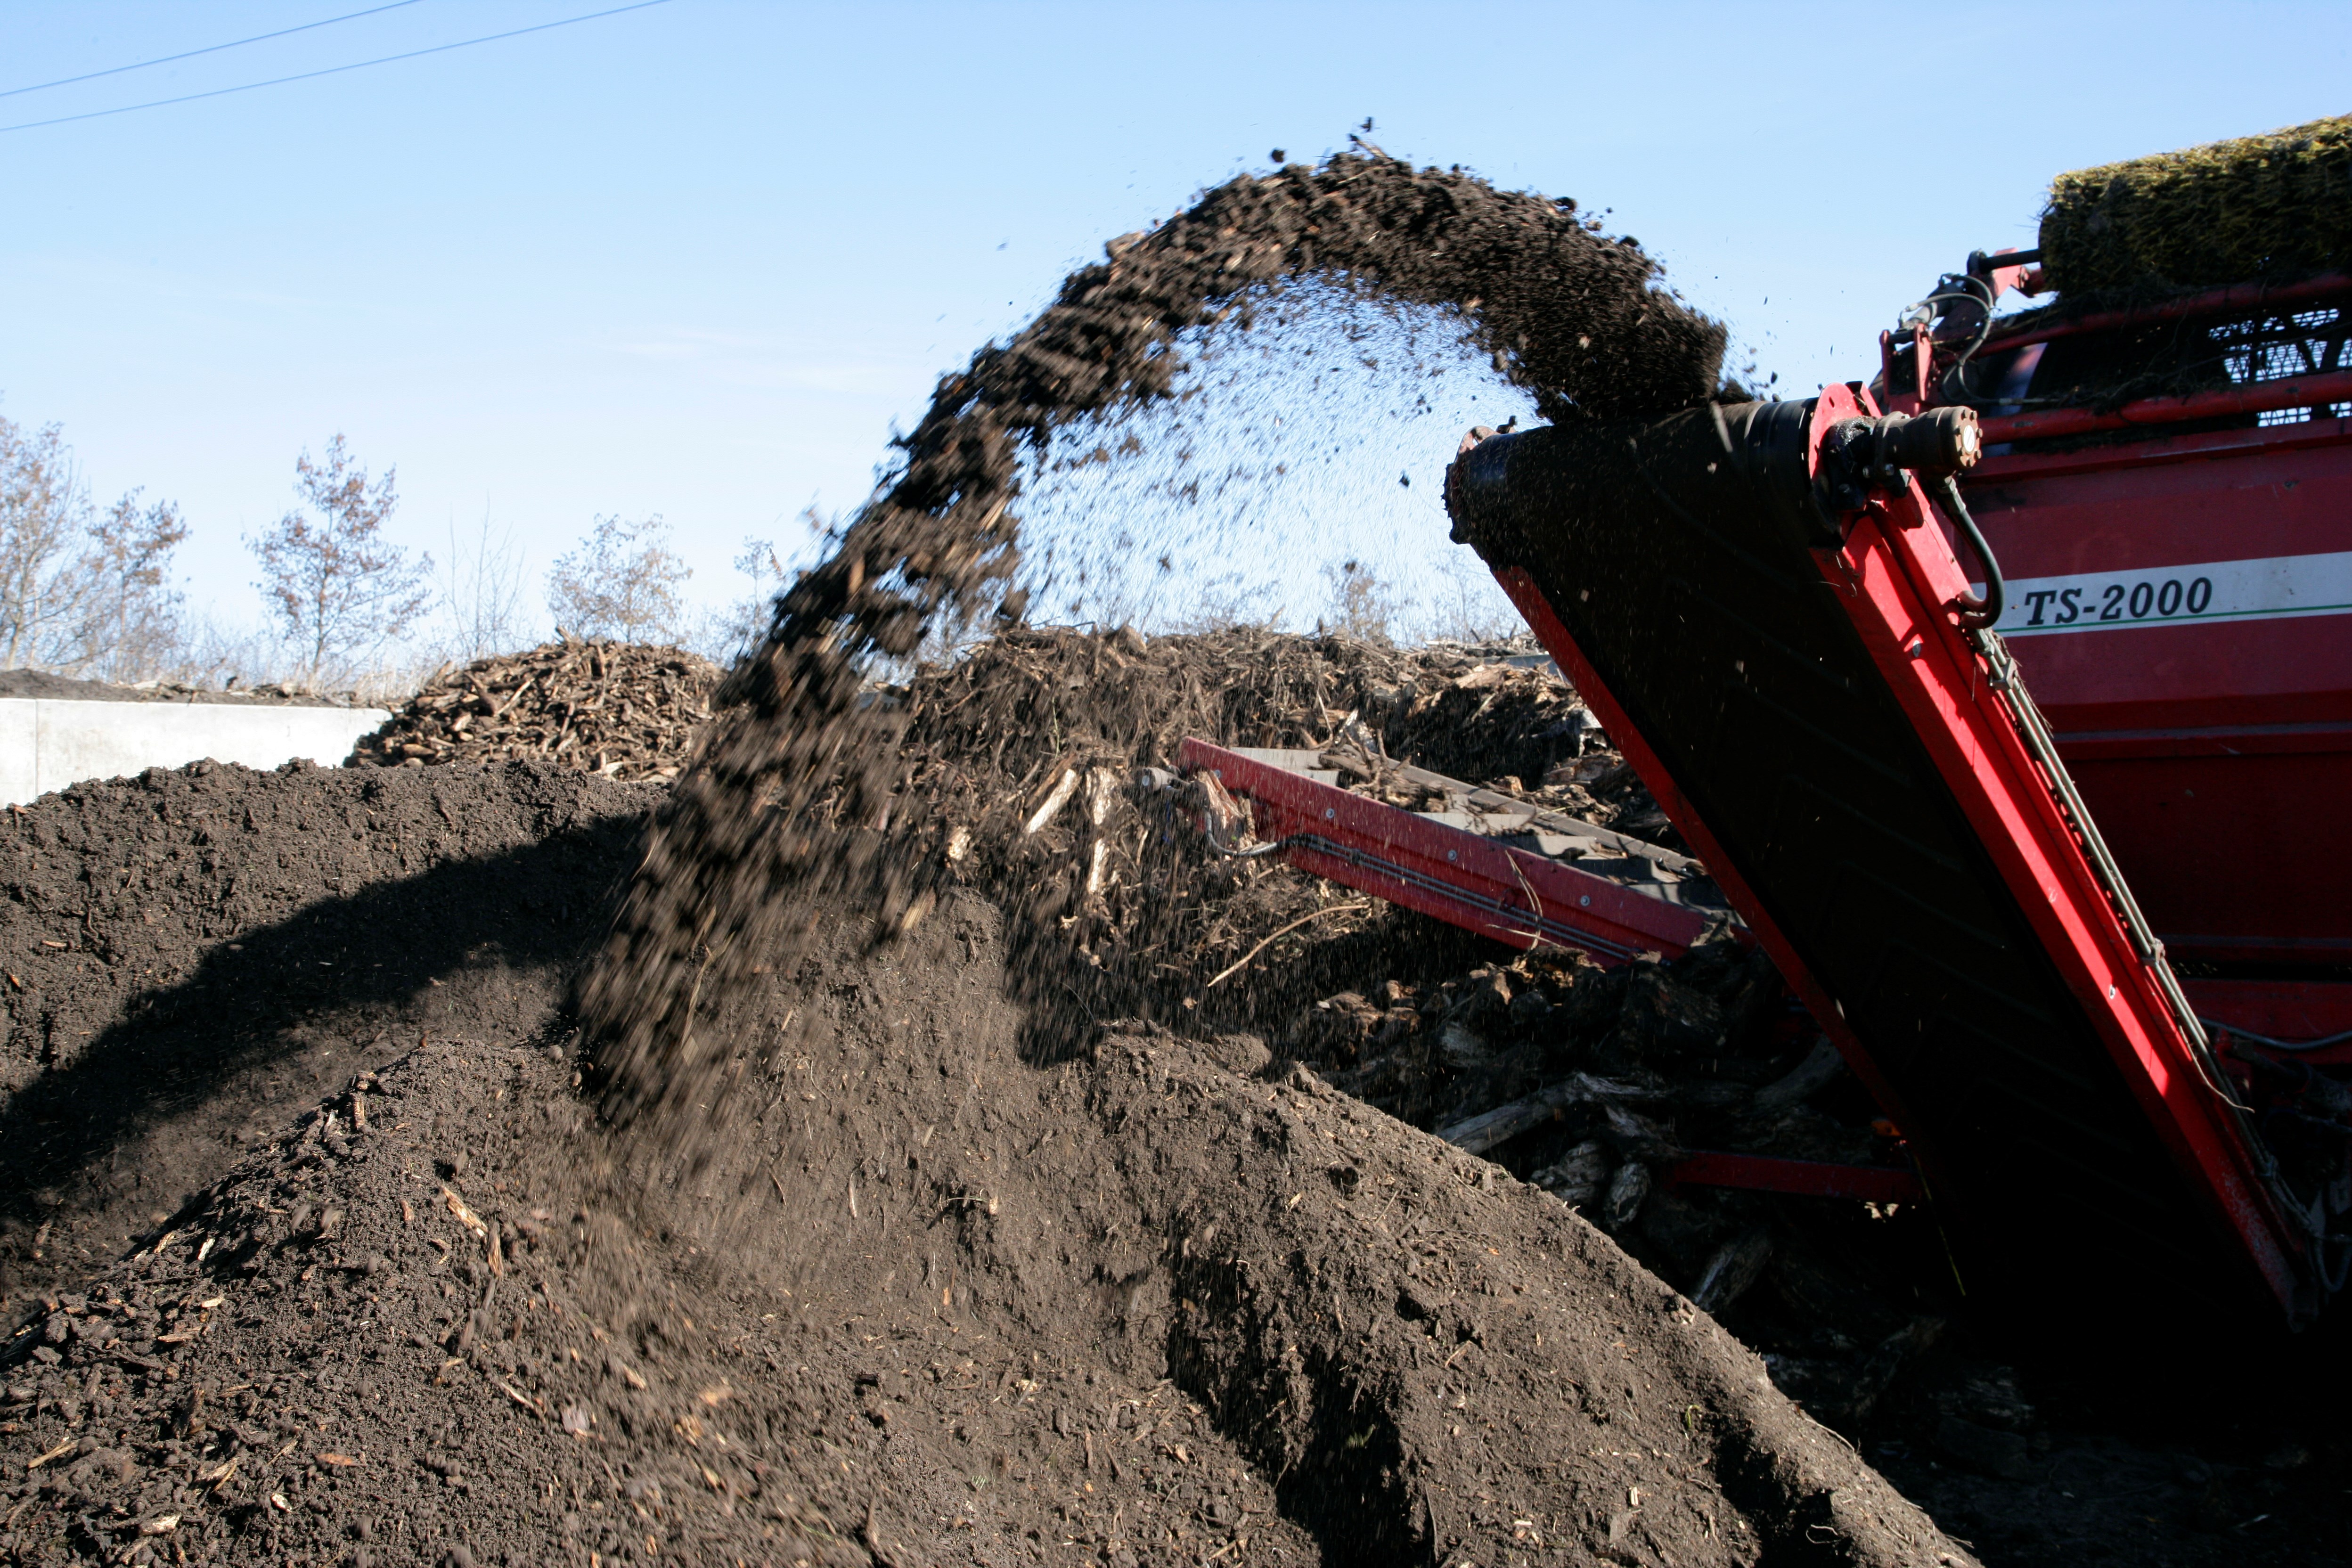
<point x="1925" y="869"/>
<point x="2180" y="570"/>
<point x="1980" y="894"/>
<point x="1766" y="610"/>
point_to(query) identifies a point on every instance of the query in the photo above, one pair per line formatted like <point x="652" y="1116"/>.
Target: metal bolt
<point x="1331" y="814"/>
<point x="1453" y="855"/>
<point x="1586" y="901"/>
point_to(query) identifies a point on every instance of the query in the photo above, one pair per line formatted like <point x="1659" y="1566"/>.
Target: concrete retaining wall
<point x="46" y="745"/>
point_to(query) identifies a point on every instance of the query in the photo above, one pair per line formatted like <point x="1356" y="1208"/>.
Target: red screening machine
<point x="2180" y="570"/>
<point x="1980" y="894"/>
<point x="1951" y="876"/>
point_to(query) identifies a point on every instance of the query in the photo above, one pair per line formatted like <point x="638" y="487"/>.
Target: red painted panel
<point x="2228" y="508"/>
<point x="1527" y="901"/>
<point x="2232" y="857"/>
<point x="2215" y="756"/>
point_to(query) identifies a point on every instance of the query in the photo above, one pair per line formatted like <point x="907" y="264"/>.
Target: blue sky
<point x="697" y="259"/>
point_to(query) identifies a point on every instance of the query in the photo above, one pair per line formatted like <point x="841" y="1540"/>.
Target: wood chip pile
<point x="1017" y="762"/>
<point x="1019" y="776"/>
<point x="624" y="711"/>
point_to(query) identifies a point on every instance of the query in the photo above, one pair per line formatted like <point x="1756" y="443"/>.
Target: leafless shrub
<point x="81" y="592"/>
<point x="1465" y="606"/>
<point x="1363" y="606"/>
<point x="622" y="582"/>
<point x="1227" y="601"/>
<point x="481" y="593"/>
<point x="339" y="590"/>
<point x="206" y="654"/>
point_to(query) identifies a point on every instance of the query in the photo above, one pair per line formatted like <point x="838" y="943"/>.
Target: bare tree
<point x="1362" y="605"/>
<point x="1465" y="606"/>
<point x="132" y="617"/>
<point x="482" y="592"/>
<point x="81" y="592"/>
<point x="334" y="583"/>
<point x="622" y="582"/>
<point x="44" y="515"/>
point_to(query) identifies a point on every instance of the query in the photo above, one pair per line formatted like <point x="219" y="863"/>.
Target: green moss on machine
<point x="2276" y="206"/>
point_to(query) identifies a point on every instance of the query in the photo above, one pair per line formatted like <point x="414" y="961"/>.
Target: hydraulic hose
<point x="1974" y="611"/>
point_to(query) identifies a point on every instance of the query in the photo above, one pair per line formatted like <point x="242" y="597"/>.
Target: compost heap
<point x="897" y="1249"/>
<point x="1161" y="1300"/>
<point x="626" y="711"/>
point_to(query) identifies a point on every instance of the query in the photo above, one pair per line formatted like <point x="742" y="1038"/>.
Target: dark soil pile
<point x="622" y="710"/>
<point x="946" y="1302"/>
<point x="189" y="957"/>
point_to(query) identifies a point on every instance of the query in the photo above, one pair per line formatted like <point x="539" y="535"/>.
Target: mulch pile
<point x="944" y="1301"/>
<point x="624" y="711"/>
<point x="1019" y="774"/>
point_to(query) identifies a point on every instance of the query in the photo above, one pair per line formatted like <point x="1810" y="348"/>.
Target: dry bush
<point x="82" y="592"/>
<point x="339" y="590"/>
<point x="1363" y="605"/>
<point x="622" y="582"/>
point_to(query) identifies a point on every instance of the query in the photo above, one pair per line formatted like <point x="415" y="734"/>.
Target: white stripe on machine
<point x="2261" y="590"/>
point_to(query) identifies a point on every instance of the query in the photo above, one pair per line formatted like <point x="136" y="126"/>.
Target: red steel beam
<point x="2334" y="387"/>
<point x="2236" y="299"/>
<point x="1524" y="899"/>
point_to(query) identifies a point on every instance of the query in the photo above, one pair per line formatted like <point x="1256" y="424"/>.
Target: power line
<point x="330" y="71"/>
<point x="210" y="49"/>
